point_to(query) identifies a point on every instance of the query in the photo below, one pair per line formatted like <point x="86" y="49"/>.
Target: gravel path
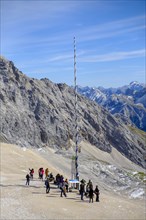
<point x="19" y="201"/>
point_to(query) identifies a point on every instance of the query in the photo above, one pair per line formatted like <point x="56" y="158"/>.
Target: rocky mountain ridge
<point x="41" y="113"/>
<point x="127" y="102"/>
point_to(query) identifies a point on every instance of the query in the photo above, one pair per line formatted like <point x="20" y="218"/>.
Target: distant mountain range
<point x="40" y="113"/>
<point x="128" y="103"/>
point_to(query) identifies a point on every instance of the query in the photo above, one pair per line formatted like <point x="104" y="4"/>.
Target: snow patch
<point x="138" y="193"/>
<point x="41" y="149"/>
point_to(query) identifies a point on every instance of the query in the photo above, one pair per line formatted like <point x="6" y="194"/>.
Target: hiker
<point x="27" y="179"/>
<point x="63" y="189"/>
<point x="82" y="189"/>
<point x="46" y="172"/>
<point x="47" y="184"/>
<point x="41" y="173"/>
<point x="91" y="194"/>
<point x="90" y="185"/>
<point x="57" y="181"/>
<point x="61" y="179"/>
<point x="86" y="191"/>
<point x="96" y="191"/>
<point x="31" y="173"/>
<point x="51" y="177"/>
<point x="66" y="185"/>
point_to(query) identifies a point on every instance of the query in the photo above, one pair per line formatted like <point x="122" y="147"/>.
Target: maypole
<point x="76" y="118"/>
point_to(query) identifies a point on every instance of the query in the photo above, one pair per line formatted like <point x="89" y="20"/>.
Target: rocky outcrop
<point x="41" y="113"/>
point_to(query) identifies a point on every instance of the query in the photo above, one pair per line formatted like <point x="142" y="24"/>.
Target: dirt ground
<point x="19" y="201"/>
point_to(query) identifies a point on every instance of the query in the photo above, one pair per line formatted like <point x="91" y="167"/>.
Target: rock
<point x="37" y="112"/>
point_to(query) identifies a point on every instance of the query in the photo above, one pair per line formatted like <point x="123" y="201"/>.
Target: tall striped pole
<point x="76" y="118"/>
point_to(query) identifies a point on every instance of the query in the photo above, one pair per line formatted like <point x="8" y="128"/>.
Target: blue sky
<point x="110" y="40"/>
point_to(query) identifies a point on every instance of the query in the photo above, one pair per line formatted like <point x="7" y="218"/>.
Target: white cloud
<point x="111" y="29"/>
<point x="121" y="55"/>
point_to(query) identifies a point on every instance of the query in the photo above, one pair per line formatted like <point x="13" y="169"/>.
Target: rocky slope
<point x="40" y="113"/>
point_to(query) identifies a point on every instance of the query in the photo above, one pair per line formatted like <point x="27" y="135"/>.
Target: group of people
<point x="63" y="184"/>
<point x="89" y="191"/>
<point x="41" y="172"/>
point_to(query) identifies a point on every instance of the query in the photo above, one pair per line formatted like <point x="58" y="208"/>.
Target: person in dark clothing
<point x="61" y="179"/>
<point x="96" y="191"/>
<point x="82" y="190"/>
<point x="88" y="186"/>
<point x="91" y="194"/>
<point x="47" y="184"/>
<point x="63" y="189"/>
<point x="57" y="181"/>
<point x="27" y="179"/>
<point x="31" y="173"/>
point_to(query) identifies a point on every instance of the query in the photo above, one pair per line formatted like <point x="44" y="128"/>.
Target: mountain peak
<point x="134" y="83"/>
<point x="2" y="58"/>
